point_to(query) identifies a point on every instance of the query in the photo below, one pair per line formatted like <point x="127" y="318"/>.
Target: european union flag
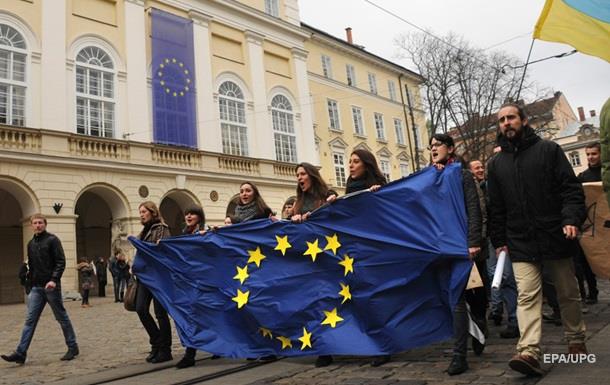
<point x="374" y="273"/>
<point x="173" y="78"/>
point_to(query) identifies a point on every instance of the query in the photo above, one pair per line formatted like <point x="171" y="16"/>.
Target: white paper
<point x="497" y="281"/>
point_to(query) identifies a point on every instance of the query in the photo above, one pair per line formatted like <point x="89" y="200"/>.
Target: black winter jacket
<point x="46" y="259"/>
<point x="592" y="174"/>
<point x="533" y="193"/>
<point x="473" y="211"/>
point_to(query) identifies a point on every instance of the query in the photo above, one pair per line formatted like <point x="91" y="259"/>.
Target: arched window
<point x="233" y="119"/>
<point x="283" y="129"/>
<point x="95" y="94"/>
<point x="13" y="54"/>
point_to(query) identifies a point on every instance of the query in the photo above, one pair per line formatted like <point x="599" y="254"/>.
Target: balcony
<point x="82" y="149"/>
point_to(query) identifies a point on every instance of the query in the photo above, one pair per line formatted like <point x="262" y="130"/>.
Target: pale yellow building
<point x="575" y="138"/>
<point x="76" y="118"/>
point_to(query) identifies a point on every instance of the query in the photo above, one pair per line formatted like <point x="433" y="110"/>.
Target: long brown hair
<point x="261" y="206"/>
<point x="152" y="208"/>
<point x="318" y="189"/>
<point x="372" y="173"/>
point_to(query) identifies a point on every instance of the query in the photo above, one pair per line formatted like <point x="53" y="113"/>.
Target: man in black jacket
<point x="46" y="262"/>
<point x="536" y="208"/>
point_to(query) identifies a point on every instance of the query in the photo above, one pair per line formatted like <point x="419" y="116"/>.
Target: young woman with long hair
<point x="251" y="205"/>
<point x="312" y="191"/>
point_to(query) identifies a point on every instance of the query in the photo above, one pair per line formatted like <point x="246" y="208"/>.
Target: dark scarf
<point x="246" y="212"/>
<point x="147" y="227"/>
<point x="193" y="230"/>
<point x="527" y="138"/>
<point x="354" y="185"/>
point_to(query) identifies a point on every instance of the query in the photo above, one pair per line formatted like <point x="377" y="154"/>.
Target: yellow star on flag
<point x="266" y="332"/>
<point x="348" y="264"/>
<point x="345" y="292"/>
<point x="282" y="244"/>
<point x="286" y="343"/>
<point x="242" y="274"/>
<point x="305" y="340"/>
<point x="332" y="243"/>
<point x="331" y="318"/>
<point x="256" y="256"/>
<point x="241" y="298"/>
<point x="313" y="250"/>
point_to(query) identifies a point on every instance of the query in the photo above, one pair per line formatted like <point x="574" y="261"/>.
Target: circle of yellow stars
<point x="179" y="91"/>
<point x="331" y="317"/>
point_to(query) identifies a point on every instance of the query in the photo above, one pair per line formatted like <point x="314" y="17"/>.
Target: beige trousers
<point x="529" y="303"/>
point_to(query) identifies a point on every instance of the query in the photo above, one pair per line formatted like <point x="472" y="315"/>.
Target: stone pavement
<point x="112" y="340"/>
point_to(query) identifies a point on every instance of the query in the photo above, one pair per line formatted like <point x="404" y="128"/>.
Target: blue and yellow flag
<point x="374" y="273"/>
<point x="583" y="24"/>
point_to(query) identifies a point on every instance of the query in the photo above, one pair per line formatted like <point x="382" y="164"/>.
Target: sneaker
<point x="70" y="354"/>
<point x="380" y="360"/>
<point x="525" y="364"/>
<point x="14" y="357"/>
<point x="323" y="361"/>
<point x="458" y="365"/>
<point x="510" y="332"/>
<point x="185" y="362"/>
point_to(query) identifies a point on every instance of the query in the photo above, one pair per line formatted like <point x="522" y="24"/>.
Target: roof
<point x="573" y="128"/>
<point x="361" y="50"/>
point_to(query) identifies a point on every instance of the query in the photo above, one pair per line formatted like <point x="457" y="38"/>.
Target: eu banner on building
<point x="173" y="78"/>
<point x="374" y="273"/>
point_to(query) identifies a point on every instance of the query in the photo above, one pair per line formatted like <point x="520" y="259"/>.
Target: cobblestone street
<point x="112" y="340"/>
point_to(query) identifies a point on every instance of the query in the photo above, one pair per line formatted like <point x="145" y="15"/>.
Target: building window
<point x="233" y="119"/>
<point x="95" y="96"/>
<point x="339" y="164"/>
<point x="575" y="159"/>
<point x="373" y="83"/>
<point x="384" y="164"/>
<point x="283" y="129"/>
<point x="417" y="137"/>
<point x="272" y="7"/>
<point x="379" y="126"/>
<point x="400" y="135"/>
<point x="333" y="115"/>
<point x="326" y="68"/>
<point x="404" y="169"/>
<point x="351" y="75"/>
<point x="358" y="124"/>
<point x="13" y="54"/>
<point x="392" y="90"/>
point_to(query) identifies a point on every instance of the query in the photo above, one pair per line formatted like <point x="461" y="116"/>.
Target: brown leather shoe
<point x="577" y="349"/>
<point x="525" y="364"/>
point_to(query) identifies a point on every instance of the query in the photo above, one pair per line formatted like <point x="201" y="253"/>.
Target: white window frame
<point x="385" y="166"/>
<point x="392" y="90"/>
<point x="372" y="83"/>
<point x="284" y="135"/>
<point x="350" y="73"/>
<point x="233" y="124"/>
<point x="575" y="159"/>
<point x="357" y="119"/>
<point x="334" y="120"/>
<point x="339" y="166"/>
<point x="15" y="45"/>
<point x="400" y="132"/>
<point x="88" y="64"/>
<point x="404" y="168"/>
<point x="327" y="69"/>
<point x="272" y="7"/>
<point x="379" y="126"/>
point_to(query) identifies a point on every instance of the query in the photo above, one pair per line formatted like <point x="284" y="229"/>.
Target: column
<point x="139" y="101"/>
<point x="208" y="129"/>
<point x="260" y="134"/>
<point x="306" y="136"/>
<point x="53" y="101"/>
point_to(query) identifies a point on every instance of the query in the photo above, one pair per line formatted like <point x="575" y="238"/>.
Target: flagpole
<point x="525" y="69"/>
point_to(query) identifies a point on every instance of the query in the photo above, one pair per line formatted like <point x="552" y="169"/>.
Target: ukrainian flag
<point x="583" y="24"/>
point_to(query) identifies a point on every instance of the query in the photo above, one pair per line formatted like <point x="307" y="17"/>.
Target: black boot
<point x="163" y="355"/>
<point x="188" y="359"/>
<point x="380" y="360"/>
<point x="14" y="357"/>
<point x="323" y="361"/>
<point x="152" y="354"/>
<point x="458" y="365"/>
<point x="70" y="354"/>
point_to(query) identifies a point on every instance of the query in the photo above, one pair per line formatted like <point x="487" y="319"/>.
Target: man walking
<point x="536" y="208"/>
<point x="46" y="262"/>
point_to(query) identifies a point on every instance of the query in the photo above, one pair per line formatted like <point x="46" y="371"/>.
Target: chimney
<point x="581" y="114"/>
<point x="348" y="33"/>
<point x="592" y="112"/>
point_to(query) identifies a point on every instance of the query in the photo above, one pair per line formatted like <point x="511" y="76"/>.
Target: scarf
<point x="354" y="185"/>
<point x="246" y="212"/>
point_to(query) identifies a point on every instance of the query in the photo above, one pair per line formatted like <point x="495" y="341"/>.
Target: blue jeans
<point x="37" y="299"/>
<point x="507" y="294"/>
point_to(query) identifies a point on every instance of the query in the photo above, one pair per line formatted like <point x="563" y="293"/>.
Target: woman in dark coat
<point x="312" y="192"/>
<point x="85" y="270"/>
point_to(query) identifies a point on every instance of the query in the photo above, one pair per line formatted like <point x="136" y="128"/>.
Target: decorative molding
<point x="338" y="143"/>
<point x="254" y="37"/>
<point x="299" y="54"/>
<point x="141" y="3"/>
<point x="200" y="18"/>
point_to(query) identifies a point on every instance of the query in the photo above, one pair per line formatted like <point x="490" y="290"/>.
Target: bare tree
<point x="463" y="88"/>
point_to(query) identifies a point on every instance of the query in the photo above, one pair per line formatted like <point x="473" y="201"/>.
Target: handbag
<point x="129" y="300"/>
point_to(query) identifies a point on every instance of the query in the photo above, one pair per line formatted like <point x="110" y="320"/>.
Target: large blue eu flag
<point x="374" y="273"/>
<point x="173" y="78"/>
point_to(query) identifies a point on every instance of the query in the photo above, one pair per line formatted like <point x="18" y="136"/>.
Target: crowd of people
<point x="525" y="201"/>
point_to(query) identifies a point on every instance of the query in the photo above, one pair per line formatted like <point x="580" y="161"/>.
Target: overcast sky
<point x="584" y="79"/>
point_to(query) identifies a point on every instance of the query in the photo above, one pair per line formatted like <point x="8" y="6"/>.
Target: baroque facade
<point x="76" y="117"/>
